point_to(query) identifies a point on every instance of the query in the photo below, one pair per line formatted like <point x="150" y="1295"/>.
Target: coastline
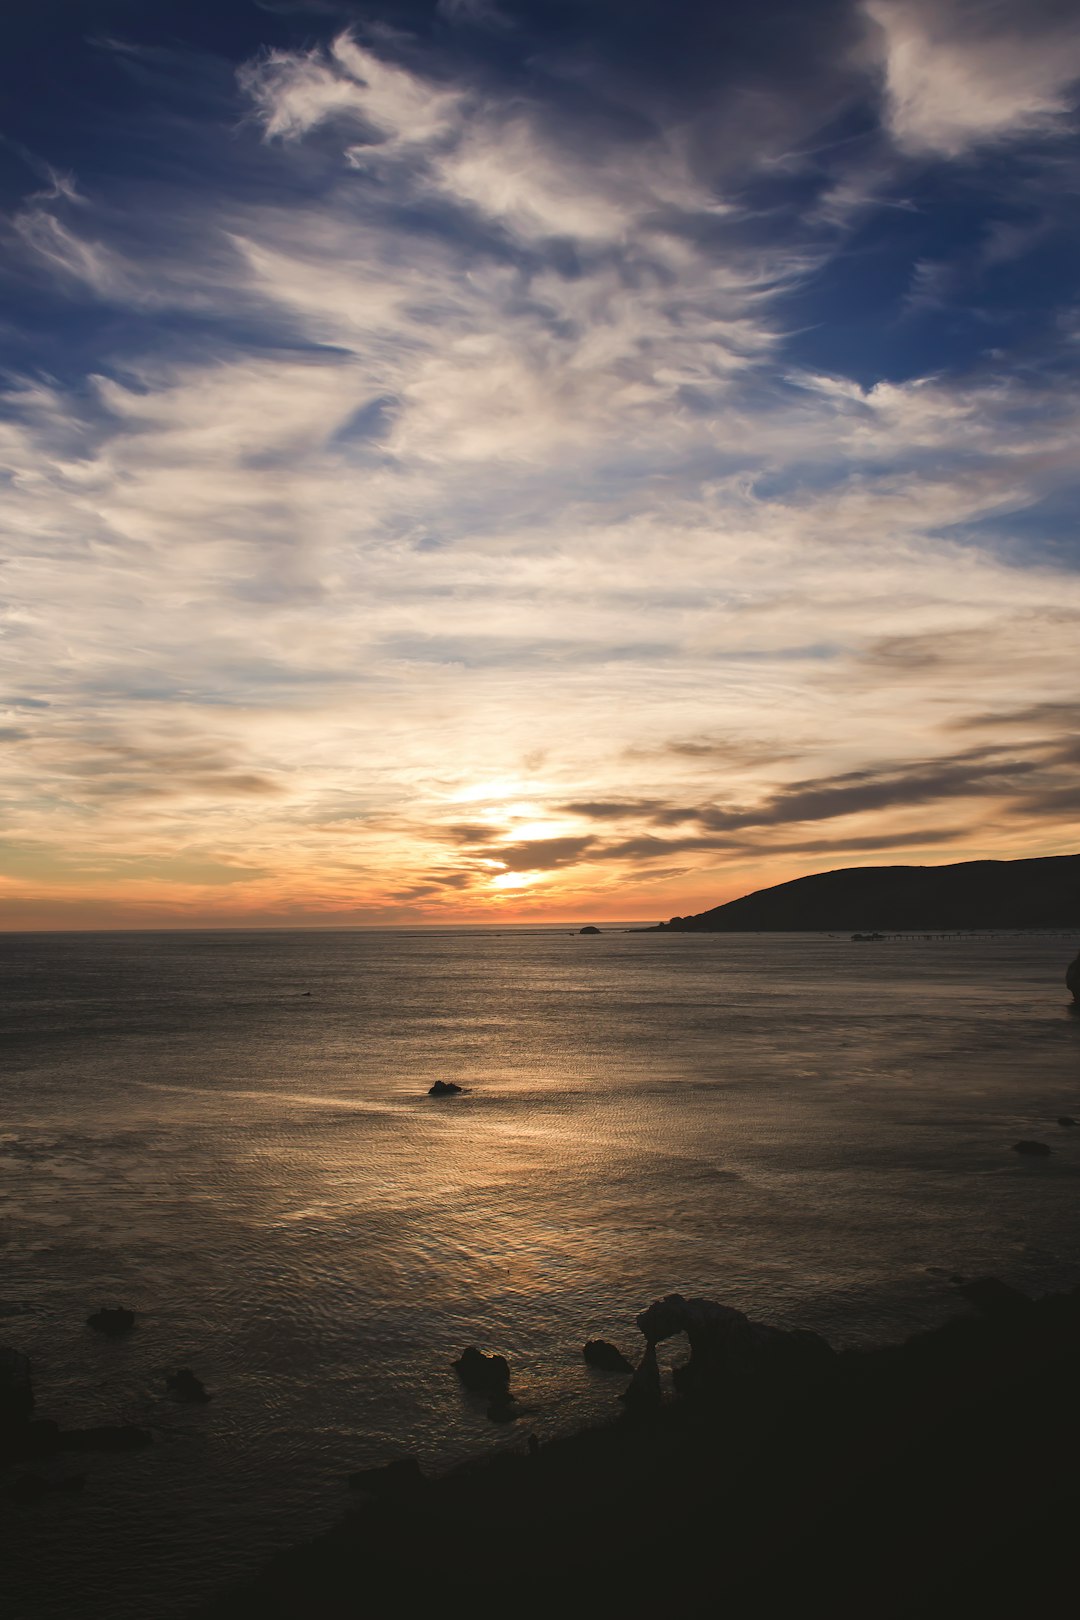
<point x="934" y="1476"/>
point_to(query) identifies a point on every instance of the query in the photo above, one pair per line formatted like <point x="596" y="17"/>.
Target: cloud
<point x="960" y="75"/>
<point x="440" y="472"/>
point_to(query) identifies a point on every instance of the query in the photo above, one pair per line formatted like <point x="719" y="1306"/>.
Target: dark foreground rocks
<point x="444" y="1088"/>
<point x="933" y="1478"/>
<point x="401" y="1478"/>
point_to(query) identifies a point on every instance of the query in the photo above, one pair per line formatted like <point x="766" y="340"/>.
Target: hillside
<point x="972" y="894"/>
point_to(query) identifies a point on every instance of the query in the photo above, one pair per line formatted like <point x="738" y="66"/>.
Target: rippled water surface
<point x="815" y="1131"/>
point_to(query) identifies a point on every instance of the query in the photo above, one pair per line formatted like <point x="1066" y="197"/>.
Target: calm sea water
<point x="814" y="1131"/>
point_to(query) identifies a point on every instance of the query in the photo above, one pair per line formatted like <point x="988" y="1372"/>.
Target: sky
<point x="479" y="460"/>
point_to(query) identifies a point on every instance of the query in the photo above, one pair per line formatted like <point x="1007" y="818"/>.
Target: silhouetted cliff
<point x="973" y="894"/>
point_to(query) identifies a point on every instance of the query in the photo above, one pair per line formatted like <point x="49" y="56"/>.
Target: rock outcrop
<point x="444" y="1088"/>
<point x="598" y="1353"/>
<point x="1072" y="978"/>
<point x="726" y="1345"/>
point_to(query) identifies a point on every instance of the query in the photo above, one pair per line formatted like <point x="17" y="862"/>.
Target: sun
<point x="512" y="880"/>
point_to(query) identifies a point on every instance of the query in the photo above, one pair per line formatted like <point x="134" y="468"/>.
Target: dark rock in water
<point x="598" y="1353"/>
<point x="186" y="1387"/>
<point x="1066" y="1119"/>
<point x="588" y="929"/>
<point x="107" y="1437"/>
<point x="31" y="1487"/>
<point x="993" y="1297"/>
<point x="724" y="1344"/>
<point x="37" y="1439"/>
<point x="444" y="1088"/>
<point x="16" y="1390"/>
<point x="112" y="1320"/>
<point x="488" y="1374"/>
<point x="1036" y="1150"/>
<point x="867" y="939"/>
<point x="402" y="1477"/>
<point x="1072" y="978"/>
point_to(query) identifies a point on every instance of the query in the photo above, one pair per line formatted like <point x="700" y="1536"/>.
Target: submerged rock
<point x="504" y="1408"/>
<point x="112" y="1320"/>
<point x="1066" y="1119"/>
<point x="487" y="1374"/>
<point x="30" y="1487"/>
<point x="402" y="1477"/>
<point x="598" y="1353"/>
<point x="1036" y="1150"/>
<point x="186" y="1387"/>
<point x="993" y="1297"/>
<point x="444" y="1088"/>
<point x="106" y="1437"/>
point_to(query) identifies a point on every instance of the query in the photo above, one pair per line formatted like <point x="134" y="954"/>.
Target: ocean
<point x="230" y="1133"/>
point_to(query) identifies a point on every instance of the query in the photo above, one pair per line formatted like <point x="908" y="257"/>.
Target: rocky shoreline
<point x="932" y="1477"/>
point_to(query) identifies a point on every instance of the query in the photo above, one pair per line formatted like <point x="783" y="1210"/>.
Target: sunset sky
<point x="575" y="459"/>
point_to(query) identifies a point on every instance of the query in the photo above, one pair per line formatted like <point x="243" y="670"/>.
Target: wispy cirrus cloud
<point x="439" y="507"/>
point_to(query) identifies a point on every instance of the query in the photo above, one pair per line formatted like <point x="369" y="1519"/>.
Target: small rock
<point x="588" y="929"/>
<point x="1036" y="1150"/>
<point x="186" y="1387"/>
<point x="1066" y="1119"/>
<point x="112" y="1320"/>
<point x="444" y="1088"/>
<point x="489" y="1374"/>
<point x="598" y="1353"/>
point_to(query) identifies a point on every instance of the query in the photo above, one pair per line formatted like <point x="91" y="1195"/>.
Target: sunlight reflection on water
<point x="794" y="1124"/>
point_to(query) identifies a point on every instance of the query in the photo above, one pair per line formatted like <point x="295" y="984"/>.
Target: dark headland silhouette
<point x="778" y="1477"/>
<point x="1040" y="893"/>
